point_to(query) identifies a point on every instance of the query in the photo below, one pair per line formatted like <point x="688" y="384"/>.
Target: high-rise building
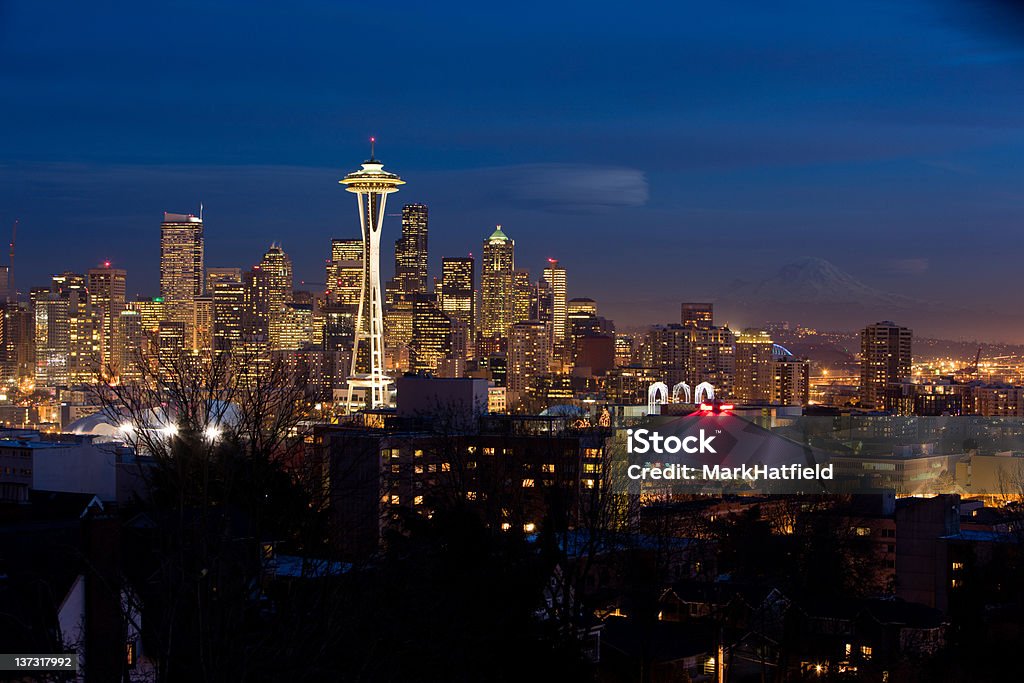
<point x="18" y="343"/>
<point x="273" y="285"/>
<point x="523" y="293"/>
<point x="885" y="359"/>
<point x="791" y="380"/>
<point x="755" y="379"/>
<point x="712" y="358"/>
<point x="411" y="252"/>
<point x="224" y="285"/>
<point x="529" y="353"/>
<point x="580" y="306"/>
<point x="554" y="274"/>
<point x="497" y="285"/>
<point x="457" y="295"/>
<point x="697" y="314"/>
<point x="431" y="335"/>
<point x="345" y="271"/>
<point x="372" y="185"/>
<point x="107" y="291"/>
<point x="181" y="264"/>
<point x="276" y="267"/>
<point x="292" y="329"/>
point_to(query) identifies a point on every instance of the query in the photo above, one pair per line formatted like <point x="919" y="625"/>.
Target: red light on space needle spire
<point x="373" y="143"/>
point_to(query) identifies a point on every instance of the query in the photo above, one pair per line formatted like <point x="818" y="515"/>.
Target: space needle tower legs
<point x="371" y="185"/>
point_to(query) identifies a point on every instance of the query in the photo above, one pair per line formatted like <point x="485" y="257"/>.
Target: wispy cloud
<point x="564" y="187"/>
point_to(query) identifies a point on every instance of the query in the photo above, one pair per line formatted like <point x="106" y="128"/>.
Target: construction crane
<point x="971" y="369"/>
<point x="13" y="293"/>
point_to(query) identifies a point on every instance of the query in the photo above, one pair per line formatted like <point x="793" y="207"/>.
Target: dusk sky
<point x="661" y="151"/>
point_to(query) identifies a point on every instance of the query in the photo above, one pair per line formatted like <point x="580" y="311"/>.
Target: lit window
<point x="470" y="495"/>
<point x="865" y="651"/>
<point x="957" y="566"/>
<point x="396" y="468"/>
<point x="418" y="500"/>
<point x="849" y="649"/>
<point x="131" y="653"/>
<point x="418" y="453"/>
<point x="528" y="483"/>
<point x="446" y="467"/>
<point x="488" y="451"/>
<point x="395" y="500"/>
<point x="547" y="467"/>
<point x="529" y="527"/>
<point x="418" y="469"/>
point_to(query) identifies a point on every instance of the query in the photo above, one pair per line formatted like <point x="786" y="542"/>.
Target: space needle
<point x="371" y="185"/>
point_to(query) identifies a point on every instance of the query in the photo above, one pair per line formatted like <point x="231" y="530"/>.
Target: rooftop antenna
<point x="373" y="143"/>
<point x="200" y="212"/>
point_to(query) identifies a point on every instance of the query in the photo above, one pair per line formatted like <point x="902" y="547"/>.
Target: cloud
<point x="576" y="188"/>
<point x="907" y="266"/>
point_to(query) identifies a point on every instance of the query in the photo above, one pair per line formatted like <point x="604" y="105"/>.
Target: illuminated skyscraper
<point x="754" y="367"/>
<point x="697" y="314"/>
<point x="107" y="290"/>
<point x="345" y="271"/>
<point x="431" y="335"/>
<point x="371" y="185"/>
<point x="791" y="380"/>
<point x="528" y="355"/>
<point x="275" y="277"/>
<point x="497" y="287"/>
<point x="181" y="264"/>
<point x="554" y="274"/>
<point x="885" y="359"/>
<point x="411" y="251"/>
<point x="276" y="267"/>
<point x="523" y="293"/>
<point x="225" y="287"/>
<point x="457" y="296"/>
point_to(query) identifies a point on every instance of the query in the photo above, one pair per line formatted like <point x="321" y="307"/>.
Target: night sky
<point x="661" y="151"/>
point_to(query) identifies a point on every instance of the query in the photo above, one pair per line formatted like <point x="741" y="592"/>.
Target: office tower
<point x="791" y="380"/>
<point x="542" y="303"/>
<point x="711" y="358"/>
<point x="371" y="185"/>
<point x="457" y="295"/>
<point x="224" y="286"/>
<point x="345" y="271"/>
<point x="271" y="287"/>
<point x="755" y="380"/>
<point x="276" y="267"/>
<point x="67" y="332"/>
<point x="581" y="306"/>
<point x="107" y="291"/>
<point x="52" y="337"/>
<point x="292" y="329"/>
<point x="623" y="349"/>
<point x="885" y="359"/>
<point x="431" y="335"/>
<point x="697" y="315"/>
<point x="554" y="275"/>
<point x="18" y="343"/>
<point x="411" y="251"/>
<point x="497" y="293"/>
<point x="523" y="293"/>
<point x="181" y="264"/>
<point x="171" y="342"/>
<point x="201" y="329"/>
<point x="529" y="354"/>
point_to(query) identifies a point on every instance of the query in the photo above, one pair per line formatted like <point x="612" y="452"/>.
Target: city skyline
<point x="814" y="151"/>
